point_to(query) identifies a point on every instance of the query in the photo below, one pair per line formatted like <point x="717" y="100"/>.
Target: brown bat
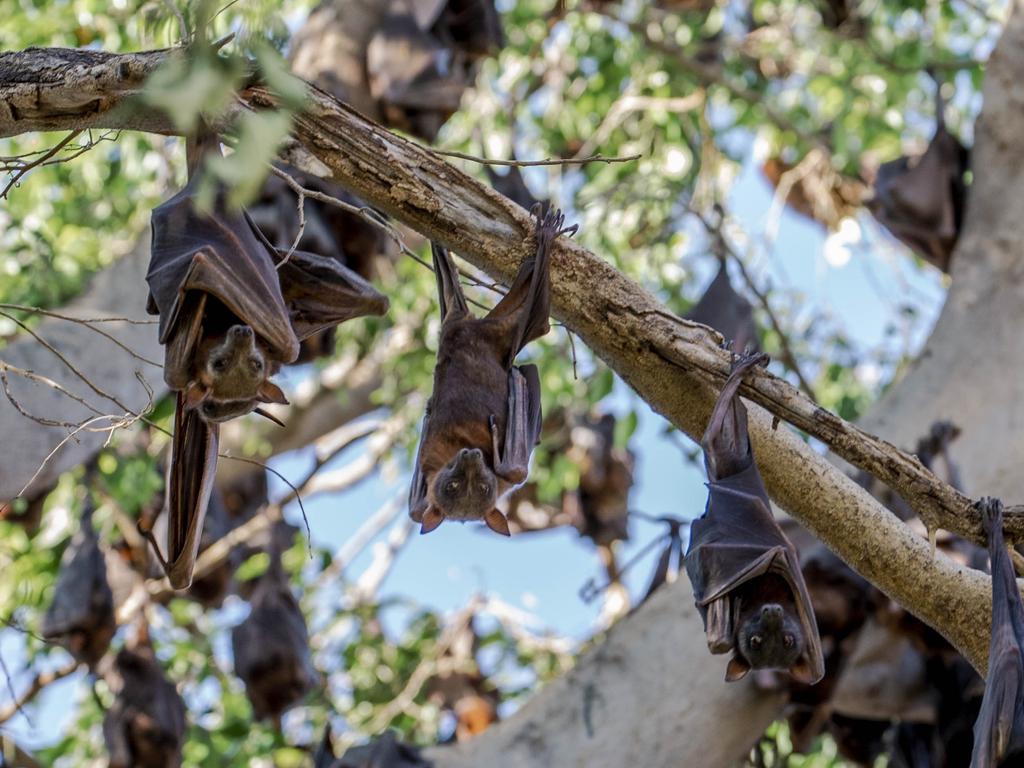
<point x="745" y="574"/>
<point x="271" y="647"/>
<point x="999" y="730"/>
<point x="726" y="311"/>
<point x="484" y="416"/>
<point x="81" y="616"/>
<point x="145" y="727"/>
<point x="232" y="310"/>
<point x="921" y="200"/>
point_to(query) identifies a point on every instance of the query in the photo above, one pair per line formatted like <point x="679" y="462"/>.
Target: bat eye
<point x="452" y="486"/>
<point x="484" y="488"/>
<point x="788" y="641"/>
<point x="755" y="641"/>
<point x="256" y="364"/>
<point x="220" y="364"/>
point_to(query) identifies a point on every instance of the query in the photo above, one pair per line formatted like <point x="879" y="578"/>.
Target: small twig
<point x="39" y="682"/>
<point x="20" y="173"/>
<point x="598" y="158"/>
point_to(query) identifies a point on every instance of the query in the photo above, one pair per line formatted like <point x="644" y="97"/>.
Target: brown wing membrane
<point x="189" y="484"/>
<point x="999" y="730"/>
<point x="218" y="254"/>
<point x="737" y="552"/>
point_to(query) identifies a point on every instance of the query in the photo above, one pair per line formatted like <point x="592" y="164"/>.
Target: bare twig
<point x="529" y="163"/>
<point x="39" y="682"/>
<point x="19" y="174"/>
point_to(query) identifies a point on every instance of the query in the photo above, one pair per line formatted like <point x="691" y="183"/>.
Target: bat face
<point x="233" y="376"/>
<point x="769" y="637"/>
<point x="466" y="488"/>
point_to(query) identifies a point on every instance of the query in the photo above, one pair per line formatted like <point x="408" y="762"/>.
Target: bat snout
<point x="771" y="611"/>
<point x="241" y="332"/>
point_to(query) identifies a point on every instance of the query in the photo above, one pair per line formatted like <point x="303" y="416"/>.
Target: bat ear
<point x="195" y="395"/>
<point x="497" y="522"/>
<point x="431" y="519"/>
<point x="801" y="671"/>
<point x="271" y="393"/>
<point x="737" y="669"/>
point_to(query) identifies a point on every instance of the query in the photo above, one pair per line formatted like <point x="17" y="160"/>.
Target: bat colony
<point x="233" y="309"/>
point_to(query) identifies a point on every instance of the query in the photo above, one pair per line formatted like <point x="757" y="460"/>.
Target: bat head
<point x="465" y="489"/>
<point x="233" y="376"/>
<point x="769" y="637"/>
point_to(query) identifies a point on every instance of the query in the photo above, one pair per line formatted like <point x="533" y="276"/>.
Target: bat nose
<point x="772" y="610"/>
<point x="241" y="331"/>
<point x="471" y="453"/>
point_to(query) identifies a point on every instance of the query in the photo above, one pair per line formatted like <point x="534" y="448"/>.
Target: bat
<point x="81" y="616"/>
<point x="484" y="416"/>
<point x="385" y="751"/>
<point x="999" y="730"/>
<point x="921" y="200"/>
<point x="145" y="726"/>
<point x="271" y="647"/>
<point x="746" y="577"/>
<point x="422" y="57"/>
<point x="232" y="310"/>
<point x="726" y="311"/>
<point x="599" y="507"/>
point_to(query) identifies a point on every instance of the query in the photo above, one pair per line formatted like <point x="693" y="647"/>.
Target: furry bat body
<point x="232" y="311"/>
<point x="145" y="727"/>
<point x="81" y="616"/>
<point x="484" y="416"/>
<point x="271" y="647"/>
<point x="999" y="730"/>
<point x="745" y="574"/>
<point x="921" y="201"/>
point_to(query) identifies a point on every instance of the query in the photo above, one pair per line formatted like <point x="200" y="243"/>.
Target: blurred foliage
<point x="696" y="94"/>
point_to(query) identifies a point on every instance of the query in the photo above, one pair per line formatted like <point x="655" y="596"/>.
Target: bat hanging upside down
<point x="233" y="309"/>
<point x="745" y="573"/>
<point x="484" y="416"/>
<point x="999" y="730"/>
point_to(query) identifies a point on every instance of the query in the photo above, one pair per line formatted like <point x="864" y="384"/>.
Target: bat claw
<point x="751" y="358"/>
<point x="991" y="510"/>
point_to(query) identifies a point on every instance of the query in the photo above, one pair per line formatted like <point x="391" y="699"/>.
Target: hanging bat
<point x="745" y="574"/>
<point x="271" y="647"/>
<point x="921" y="200"/>
<point x="81" y="616"/>
<point x="232" y="310"/>
<point x="145" y="726"/>
<point x="484" y="416"/>
<point x="999" y="730"/>
<point x="726" y="311"/>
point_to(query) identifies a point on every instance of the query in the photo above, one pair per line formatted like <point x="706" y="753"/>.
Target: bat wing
<point x="522" y="424"/>
<point x="321" y="292"/>
<point x="999" y="729"/>
<point x="218" y="254"/>
<point x="418" y="501"/>
<point x="736" y="540"/>
<point x="189" y="485"/>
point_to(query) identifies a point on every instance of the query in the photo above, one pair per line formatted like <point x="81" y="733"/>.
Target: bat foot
<point x="750" y="358"/>
<point x="991" y="511"/>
